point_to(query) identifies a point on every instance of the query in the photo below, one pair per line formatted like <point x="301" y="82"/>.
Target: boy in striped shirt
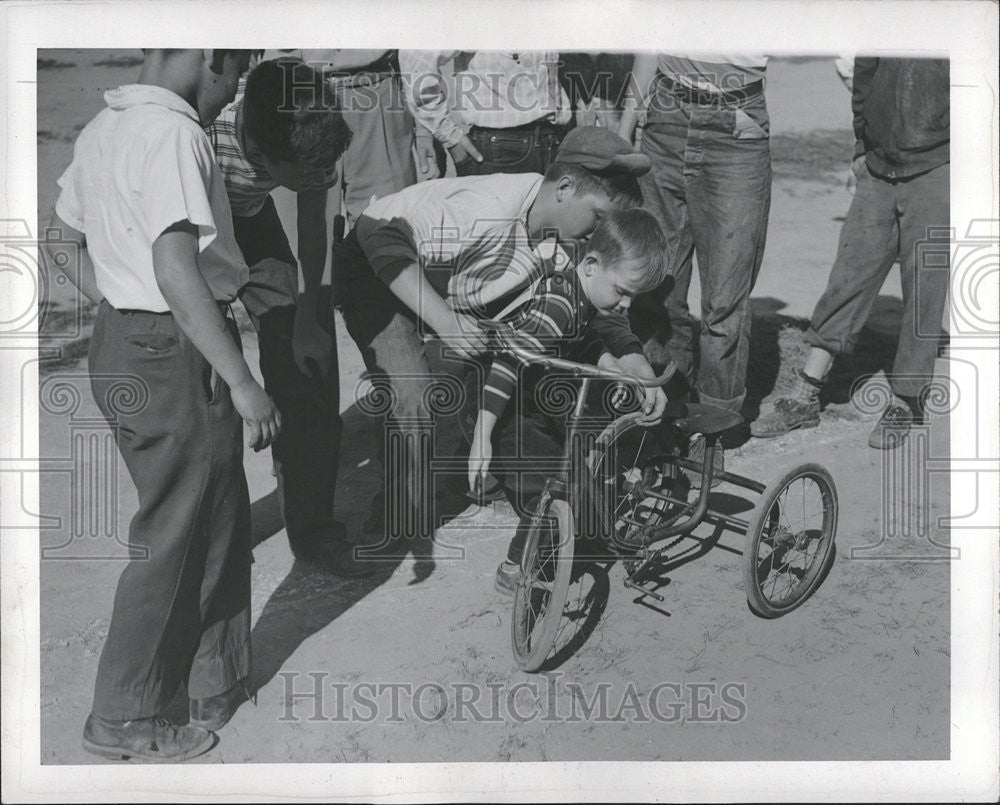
<point x="625" y="257"/>
<point x="286" y="131"/>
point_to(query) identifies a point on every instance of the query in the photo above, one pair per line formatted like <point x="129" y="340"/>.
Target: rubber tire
<point x="530" y="655"/>
<point x="755" y="529"/>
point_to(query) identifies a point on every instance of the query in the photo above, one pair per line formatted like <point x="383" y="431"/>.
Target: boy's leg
<point x="306" y="454"/>
<point x="866" y="250"/>
<point x="664" y="312"/>
<point x="223" y="655"/>
<point x="728" y="180"/>
<point x="170" y="441"/>
<point x="393" y="351"/>
<point x="925" y="211"/>
<point x="379" y="160"/>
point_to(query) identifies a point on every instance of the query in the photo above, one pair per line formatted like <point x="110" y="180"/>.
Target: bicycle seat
<point x="707" y="419"/>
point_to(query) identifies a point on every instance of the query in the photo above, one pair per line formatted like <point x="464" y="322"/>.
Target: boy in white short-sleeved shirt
<point x="146" y="204"/>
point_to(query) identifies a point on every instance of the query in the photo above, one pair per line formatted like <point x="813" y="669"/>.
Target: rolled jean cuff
<point x="841" y="347"/>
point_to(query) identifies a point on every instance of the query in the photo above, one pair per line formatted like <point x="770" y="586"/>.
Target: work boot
<point x="788" y="414"/>
<point x="151" y="739"/>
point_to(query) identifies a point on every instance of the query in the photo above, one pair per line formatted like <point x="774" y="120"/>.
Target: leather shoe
<point x="335" y="559"/>
<point x="214" y="712"/>
<point x="151" y="739"/>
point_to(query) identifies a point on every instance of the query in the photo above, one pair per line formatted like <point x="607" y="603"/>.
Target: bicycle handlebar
<point x="507" y="335"/>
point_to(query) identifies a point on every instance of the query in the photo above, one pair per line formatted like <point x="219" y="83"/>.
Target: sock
<point x="806" y="388"/>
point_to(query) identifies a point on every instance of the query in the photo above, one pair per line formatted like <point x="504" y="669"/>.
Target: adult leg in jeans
<point x="503" y="151"/>
<point x="306" y="454"/>
<point x="924" y="216"/>
<point x="728" y="190"/>
<point x="664" y="141"/>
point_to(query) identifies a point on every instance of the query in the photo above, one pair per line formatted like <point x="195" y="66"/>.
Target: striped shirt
<point x="492" y="89"/>
<point x="558" y="319"/>
<point x="248" y="183"/>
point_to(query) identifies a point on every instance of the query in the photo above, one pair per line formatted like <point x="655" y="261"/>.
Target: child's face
<point x="610" y="288"/>
<point x="218" y="89"/>
<point x="576" y="215"/>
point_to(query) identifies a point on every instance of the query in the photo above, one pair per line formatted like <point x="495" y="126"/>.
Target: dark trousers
<point x="525" y="149"/>
<point x="889" y="220"/>
<point x="392" y="347"/>
<point x="710" y="188"/>
<point x="305" y="455"/>
<point x="182" y="605"/>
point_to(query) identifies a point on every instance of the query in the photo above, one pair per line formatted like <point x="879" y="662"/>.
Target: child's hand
<point x="480" y="456"/>
<point x="258" y="411"/>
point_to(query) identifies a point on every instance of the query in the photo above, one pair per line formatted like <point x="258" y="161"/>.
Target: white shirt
<point x="140" y="166"/>
<point x="492" y="89"/>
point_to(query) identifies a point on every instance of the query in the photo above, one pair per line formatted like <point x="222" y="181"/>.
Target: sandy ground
<point x="860" y="672"/>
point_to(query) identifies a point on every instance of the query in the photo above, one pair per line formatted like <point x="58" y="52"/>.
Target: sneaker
<point x="892" y="428"/>
<point x="696" y="453"/>
<point x="507" y="577"/>
<point x="788" y="414"/>
<point x="214" y="712"/>
<point x="151" y="739"/>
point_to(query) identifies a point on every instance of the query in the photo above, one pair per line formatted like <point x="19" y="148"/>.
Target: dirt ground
<point x="859" y="672"/>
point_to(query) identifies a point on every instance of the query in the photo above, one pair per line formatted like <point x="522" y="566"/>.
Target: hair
<point x="291" y="114"/>
<point x="621" y="188"/>
<point x="632" y="235"/>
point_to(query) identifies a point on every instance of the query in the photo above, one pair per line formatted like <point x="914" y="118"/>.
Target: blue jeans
<point x="525" y="149"/>
<point x="710" y="188"/>
<point x="906" y="219"/>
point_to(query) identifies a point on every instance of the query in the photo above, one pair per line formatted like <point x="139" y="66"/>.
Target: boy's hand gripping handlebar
<point x="508" y="339"/>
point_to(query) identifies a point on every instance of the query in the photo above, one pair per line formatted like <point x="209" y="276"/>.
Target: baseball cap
<point x="599" y="149"/>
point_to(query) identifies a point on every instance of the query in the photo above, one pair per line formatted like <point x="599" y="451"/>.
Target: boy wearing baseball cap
<point x="437" y="256"/>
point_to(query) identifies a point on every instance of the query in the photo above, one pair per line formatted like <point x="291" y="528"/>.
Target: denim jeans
<point x="710" y="188"/>
<point x="525" y="149"/>
<point x="182" y="605"/>
<point x="906" y="219"/>
<point x="306" y="454"/>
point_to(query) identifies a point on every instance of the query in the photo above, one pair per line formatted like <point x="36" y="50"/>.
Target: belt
<point x="535" y="127"/>
<point x="362" y="78"/>
<point x="702" y="97"/>
<point x="368" y="75"/>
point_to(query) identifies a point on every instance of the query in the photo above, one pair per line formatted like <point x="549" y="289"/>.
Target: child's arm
<point x="197" y="314"/>
<point x="309" y="340"/>
<point x="549" y="318"/>
<point x="457" y="330"/>
<point x="481" y="452"/>
<point x="63" y="233"/>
